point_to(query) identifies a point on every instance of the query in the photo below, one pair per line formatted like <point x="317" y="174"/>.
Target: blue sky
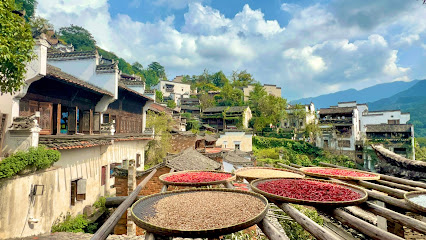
<point x="306" y="47"/>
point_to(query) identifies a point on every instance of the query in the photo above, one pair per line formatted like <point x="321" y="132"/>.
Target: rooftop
<point x="58" y="74"/>
<point x="234" y="109"/>
<point x="71" y="55"/>
<point x="389" y="128"/>
<point x="191" y="159"/>
<point x="336" y="110"/>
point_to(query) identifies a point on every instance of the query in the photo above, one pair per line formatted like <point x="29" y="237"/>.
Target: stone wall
<point x="181" y="142"/>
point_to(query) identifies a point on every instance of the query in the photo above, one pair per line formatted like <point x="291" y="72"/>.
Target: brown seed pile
<point x="267" y="173"/>
<point x="205" y="210"/>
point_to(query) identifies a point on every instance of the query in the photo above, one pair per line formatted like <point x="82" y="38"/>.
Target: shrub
<point x="69" y="223"/>
<point x="296" y="232"/>
<point x="40" y="157"/>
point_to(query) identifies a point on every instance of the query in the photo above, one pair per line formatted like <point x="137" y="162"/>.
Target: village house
<point x="235" y="140"/>
<point x="299" y="118"/>
<point x="270" y="89"/>
<point x="350" y="128"/>
<point x="191" y="105"/>
<point x="77" y="104"/>
<point x="173" y="90"/>
<point x="224" y="117"/>
<point x="179" y="121"/>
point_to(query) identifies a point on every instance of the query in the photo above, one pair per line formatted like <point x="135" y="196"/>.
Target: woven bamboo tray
<point x="409" y="195"/>
<point x="162" y="179"/>
<point x="274" y="197"/>
<point x="144" y="208"/>
<point x="376" y="176"/>
<point x="240" y="172"/>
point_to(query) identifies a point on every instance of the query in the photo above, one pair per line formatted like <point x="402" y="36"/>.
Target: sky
<point x="307" y="47"/>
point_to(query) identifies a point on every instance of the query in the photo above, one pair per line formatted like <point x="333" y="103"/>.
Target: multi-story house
<point x="299" y="117"/>
<point x="224" y="117"/>
<point x="271" y="89"/>
<point x="173" y="90"/>
<point x="191" y="105"/>
<point x="84" y="108"/>
<point x="350" y="128"/>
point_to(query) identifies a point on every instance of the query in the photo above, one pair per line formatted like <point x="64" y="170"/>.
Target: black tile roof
<point x="71" y="55"/>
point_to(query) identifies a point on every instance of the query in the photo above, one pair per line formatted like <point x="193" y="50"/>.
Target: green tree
<point x="79" y="37"/>
<point x="16" y="48"/>
<point x="28" y="6"/>
<point x="160" y="146"/>
<point x="171" y="104"/>
<point x="206" y="101"/>
<point x="137" y="67"/>
<point x="158" y="69"/>
<point x="231" y="96"/>
<point x="158" y="96"/>
<point x="219" y="79"/>
<point x="125" y="67"/>
<point x="39" y="25"/>
<point x="151" y="78"/>
<point x="254" y="98"/>
<point x="242" y="79"/>
<point x="272" y="111"/>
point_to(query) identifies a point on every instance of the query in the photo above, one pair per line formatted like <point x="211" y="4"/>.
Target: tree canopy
<point x="79" y="37"/>
<point x="28" y="6"/>
<point x="16" y="47"/>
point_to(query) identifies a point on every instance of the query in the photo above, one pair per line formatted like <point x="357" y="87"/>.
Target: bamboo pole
<point x="400" y="186"/>
<point x="362" y="226"/>
<point x="288" y="167"/>
<point x="391" y="191"/>
<point x="387" y="178"/>
<point x="109" y="225"/>
<point x="308" y="224"/>
<point x="265" y="225"/>
<point x="113" y="202"/>
<point x="395" y="217"/>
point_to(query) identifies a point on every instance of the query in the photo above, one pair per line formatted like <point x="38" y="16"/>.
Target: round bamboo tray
<point x="376" y="176"/>
<point x="144" y="208"/>
<point x="274" y="197"/>
<point x="240" y="173"/>
<point x="409" y="195"/>
<point x="192" y="184"/>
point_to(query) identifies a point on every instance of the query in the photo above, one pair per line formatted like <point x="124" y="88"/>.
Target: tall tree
<point x="28" y="6"/>
<point x="79" y="37"/>
<point x="137" y="67"/>
<point x="242" y="79"/>
<point x="16" y="45"/>
<point x="231" y="96"/>
<point x="151" y="78"/>
<point x="254" y="98"/>
<point x="272" y="111"/>
<point x="219" y="79"/>
<point x="158" y="69"/>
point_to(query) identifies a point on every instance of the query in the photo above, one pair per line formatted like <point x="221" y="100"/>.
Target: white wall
<point x="85" y="163"/>
<point x="381" y="117"/>
<point x="179" y="88"/>
<point x="85" y="69"/>
<point x="245" y="140"/>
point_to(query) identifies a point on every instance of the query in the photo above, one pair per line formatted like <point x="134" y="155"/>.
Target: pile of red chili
<point x="197" y="177"/>
<point x="308" y="190"/>
<point x="338" y="172"/>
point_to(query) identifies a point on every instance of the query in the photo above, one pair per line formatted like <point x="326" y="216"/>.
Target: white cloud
<point x="320" y="50"/>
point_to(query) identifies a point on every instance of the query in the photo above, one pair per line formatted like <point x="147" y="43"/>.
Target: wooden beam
<point x="108" y="226"/>
<point x="288" y="167"/>
<point x="362" y="226"/>
<point x="391" y="191"/>
<point x="308" y="224"/>
<point x="113" y="202"/>
<point x="387" y="178"/>
<point x="400" y="186"/>
<point x="393" y="216"/>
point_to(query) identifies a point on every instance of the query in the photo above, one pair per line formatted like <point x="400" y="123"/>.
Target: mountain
<point x="365" y="95"/>
<point x="412" y="100"/>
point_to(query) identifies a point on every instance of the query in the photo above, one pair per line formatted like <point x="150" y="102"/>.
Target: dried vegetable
<point x="197" y="177"/>
<point x="267" y="173"/>
<point x="205" y="210"/>
<point x="309" y="190"/>
<point x="338" y="172"/>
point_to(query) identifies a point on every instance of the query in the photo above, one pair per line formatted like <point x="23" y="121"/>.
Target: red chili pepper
<point x="197" y="177"/>
<point x="308" y="190"/>
<point x="339" y="172"/>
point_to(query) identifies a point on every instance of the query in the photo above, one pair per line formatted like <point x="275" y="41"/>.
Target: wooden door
<point x="46" y="117"/>
<point x="85" y="122"/>
<point x="72" y="120"/>
<point x="96" y="122"/>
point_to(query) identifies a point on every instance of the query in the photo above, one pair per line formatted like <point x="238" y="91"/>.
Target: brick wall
<point x="153" y="186"/>
<point x="181" y="142"/>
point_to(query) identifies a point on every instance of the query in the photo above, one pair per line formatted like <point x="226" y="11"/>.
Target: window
<point x="78" y="190"/>
<point x="344" y="143"/>
<point x="103" y="175"/>
<point x="396" y="121"/>
<point x="224" y="144"/>
<point x="237" y="145"/>
<point x="138" y="160"/>
<point x="325" y="143"/>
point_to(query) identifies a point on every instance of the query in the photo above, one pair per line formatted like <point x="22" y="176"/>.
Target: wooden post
<point x="391" y="191"/>
<point x="108" y="226"/>
<point x="58" y="118"/>
<point x="362" y="226"/>
<point x="131" y="184"/>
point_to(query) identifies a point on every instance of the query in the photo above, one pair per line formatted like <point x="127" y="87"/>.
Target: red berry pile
<point x="338" y="172"/>
<point x="308" y="190"/>
<point x="197" y="177"/>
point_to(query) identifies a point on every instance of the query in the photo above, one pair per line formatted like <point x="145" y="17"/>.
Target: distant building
<point x="295" y="121"/>
<point x="350" y="128"/>
<point x="271" y="89"/>
<point x="173" y="90"/>
<point x="224" y="117"/>
<point x="235" y="140"/>
<point x="190" y="105"/>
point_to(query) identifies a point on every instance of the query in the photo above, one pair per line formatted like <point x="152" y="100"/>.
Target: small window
<point x="138" y="160"/>
<point x="237" y="145"/>
<point x="224" y="144"/>
<point x="78" y="190"/>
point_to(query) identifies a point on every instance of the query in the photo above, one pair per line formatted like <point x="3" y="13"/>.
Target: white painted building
<point x="173" y="90"/>
<point x="235" y="140"/>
